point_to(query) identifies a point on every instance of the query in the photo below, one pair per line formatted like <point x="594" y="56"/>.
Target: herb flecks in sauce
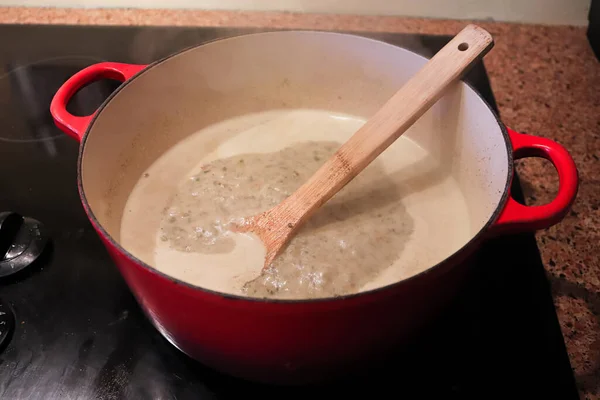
<point x="354" y="237"/>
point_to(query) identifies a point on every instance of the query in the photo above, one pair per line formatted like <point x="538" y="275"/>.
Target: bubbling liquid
<point x="385" y="225"/>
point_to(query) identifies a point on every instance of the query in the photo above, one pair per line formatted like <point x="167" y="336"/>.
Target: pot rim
<point x="229" y="296"/>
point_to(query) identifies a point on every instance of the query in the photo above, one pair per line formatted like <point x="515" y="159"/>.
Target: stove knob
<point x="7" y="324"/>
<point x="22" y="241"/>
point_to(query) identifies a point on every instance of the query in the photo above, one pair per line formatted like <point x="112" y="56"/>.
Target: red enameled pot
<point x="293" y="341"/>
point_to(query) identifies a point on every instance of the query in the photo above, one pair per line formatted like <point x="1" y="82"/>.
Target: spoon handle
<point x="401" y="111"/>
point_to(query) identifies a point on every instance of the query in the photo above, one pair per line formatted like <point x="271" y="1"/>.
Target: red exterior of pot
<point x="304" y="341"/>
<point x="287" y="342"/>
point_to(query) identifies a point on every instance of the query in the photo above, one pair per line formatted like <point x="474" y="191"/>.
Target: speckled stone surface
<point x="546" y="81"/>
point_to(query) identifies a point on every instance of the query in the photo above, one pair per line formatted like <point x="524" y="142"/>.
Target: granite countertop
<point x="546" y="81"/>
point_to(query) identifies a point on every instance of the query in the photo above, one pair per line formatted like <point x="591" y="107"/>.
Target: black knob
<point x="22" y="241"/>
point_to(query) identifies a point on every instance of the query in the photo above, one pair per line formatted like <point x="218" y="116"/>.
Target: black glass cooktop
<point x="72" y="329"/>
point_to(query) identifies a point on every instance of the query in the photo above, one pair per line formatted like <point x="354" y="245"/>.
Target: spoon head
<point x="270" y="229"/>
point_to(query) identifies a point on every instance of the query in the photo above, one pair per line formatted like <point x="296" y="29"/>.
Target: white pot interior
<point x="264" y="92"/>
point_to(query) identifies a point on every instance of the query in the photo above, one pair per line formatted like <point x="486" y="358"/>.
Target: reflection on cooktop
<point x="28" y="89"/>
<point x="79" y="332"/>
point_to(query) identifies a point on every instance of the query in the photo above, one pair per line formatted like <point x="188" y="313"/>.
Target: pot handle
<point x="516" y="217"/>
<point x="75" y="126"/>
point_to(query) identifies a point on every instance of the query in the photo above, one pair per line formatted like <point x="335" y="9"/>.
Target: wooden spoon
<point x="277" y="226"/>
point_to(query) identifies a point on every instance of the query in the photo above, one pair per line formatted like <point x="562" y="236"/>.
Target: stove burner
<point x="32" y="87"/>
<point x="7" y="323"/>
<point x="22" y="240"/>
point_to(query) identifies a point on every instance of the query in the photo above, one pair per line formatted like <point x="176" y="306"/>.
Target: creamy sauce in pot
<point x="401" y="215"/>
